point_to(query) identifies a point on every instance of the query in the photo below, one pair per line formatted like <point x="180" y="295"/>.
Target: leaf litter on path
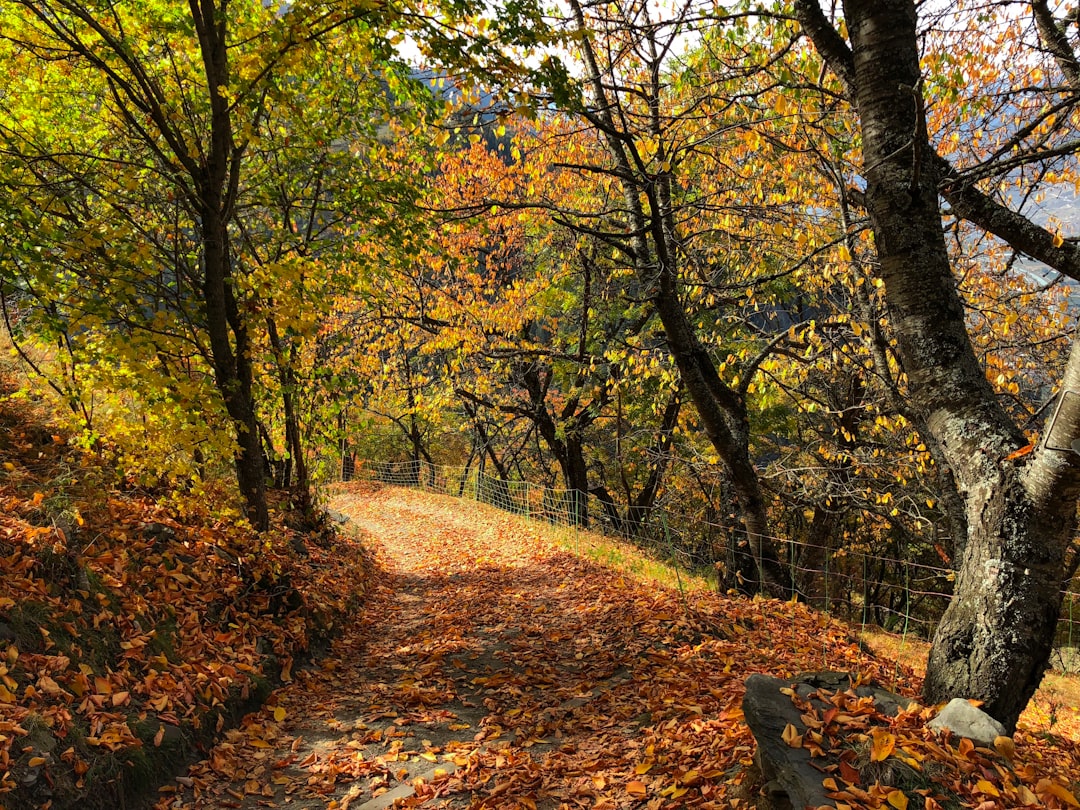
<point x="490" y="668"/>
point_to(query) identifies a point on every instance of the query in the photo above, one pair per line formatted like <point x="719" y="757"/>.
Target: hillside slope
<point x="135" y="624"/>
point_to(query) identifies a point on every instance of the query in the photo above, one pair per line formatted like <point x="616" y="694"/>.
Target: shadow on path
<point x="491" y="668"/>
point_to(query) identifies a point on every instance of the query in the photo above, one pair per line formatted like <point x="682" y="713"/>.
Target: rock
<point x="792" y="776"/>
<point x="964" y="720"/>
<point x="337" y="517"/>
<point x="885" y="701"/>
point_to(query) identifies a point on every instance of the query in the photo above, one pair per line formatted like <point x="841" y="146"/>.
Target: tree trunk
<point x="994" y="640"/>
<point x="230" y="347"/>
<point x="576" y="474"/>
<point x="300" y="485"/>
<point x="232" y="369"/>
<point x="655" y="248"/>
<point x="996" y="637"/>
<point x="724" y="417"/>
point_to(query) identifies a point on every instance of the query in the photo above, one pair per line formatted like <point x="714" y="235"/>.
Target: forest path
<point x="491" y="666"/>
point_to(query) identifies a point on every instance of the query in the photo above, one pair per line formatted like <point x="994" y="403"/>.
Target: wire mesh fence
<point x="898" y="593"/>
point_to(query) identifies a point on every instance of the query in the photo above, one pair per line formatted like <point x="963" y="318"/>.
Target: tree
<point x="137" y="172"/>
<point x="994" y="641"/>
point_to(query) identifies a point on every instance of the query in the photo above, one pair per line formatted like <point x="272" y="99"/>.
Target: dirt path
<point x="492" y="667"/>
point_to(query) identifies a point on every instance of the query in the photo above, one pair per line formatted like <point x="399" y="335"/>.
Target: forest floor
<point x="492" y="666"/>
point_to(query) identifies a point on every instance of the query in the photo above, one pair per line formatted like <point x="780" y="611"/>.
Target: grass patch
<point x="626" y="558"/>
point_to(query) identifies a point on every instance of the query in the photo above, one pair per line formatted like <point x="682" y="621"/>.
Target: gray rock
<point x="792" y="776"/>
<point x="964" y="720"/>
<point x="787" y="771"/>
<point x="885" y="701"/>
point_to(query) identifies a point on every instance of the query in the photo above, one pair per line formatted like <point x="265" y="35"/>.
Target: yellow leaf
<point x="883" y="745"/>
<point x="845" y="253"/>
<point x="791" y="736"/>
<point x="897" y="799"/>
<point x="279" y="713"/>
<point x="259" y="744"/>
<point x="1058" y="241"/>
<point x="642" y="767"/>
<point x="987" y="788"/>
<point x="1005" y="746"/>
<point x="430" y="757"/>
<point x="1054" y="789"/>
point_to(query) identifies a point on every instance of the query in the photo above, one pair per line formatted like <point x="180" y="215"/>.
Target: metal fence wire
<point x="904" y="596"/>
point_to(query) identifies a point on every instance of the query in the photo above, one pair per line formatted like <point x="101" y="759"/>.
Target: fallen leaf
<point x="882" y="746"/>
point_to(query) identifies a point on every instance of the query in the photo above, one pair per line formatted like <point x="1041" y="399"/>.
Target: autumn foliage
<point x="498" y="667"/>
<point x="132" y="623"/>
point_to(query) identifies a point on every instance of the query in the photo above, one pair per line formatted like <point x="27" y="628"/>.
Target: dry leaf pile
<point x="491" y="668"/>
<point x="124" y="627"/>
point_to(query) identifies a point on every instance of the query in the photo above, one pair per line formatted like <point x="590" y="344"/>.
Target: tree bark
<point x="216" y="182"/>
<point x="994" y="641"/>
<point x="300" y="485"/>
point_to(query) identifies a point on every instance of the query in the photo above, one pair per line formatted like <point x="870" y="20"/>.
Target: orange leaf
<point x="159" y="736"/>
<point x="36" y="761"/>
<point x="120" y="698"/>
<point x="637" y="789"/>
<point x="1026" y="797"/>
<point x="849" y="774"/>
<point x="1005" y="746"/>
<point x="1023" y="451"/>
